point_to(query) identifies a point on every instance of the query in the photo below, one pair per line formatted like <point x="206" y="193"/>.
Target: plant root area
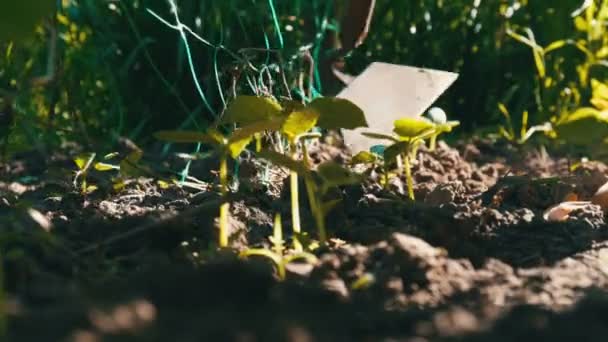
<point x="472" y="259"/>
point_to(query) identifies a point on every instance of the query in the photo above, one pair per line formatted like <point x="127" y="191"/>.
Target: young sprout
<point x="297" y="124"/>
<point x="225" y="147"/>
<point x="277" y="253"/>
<point x="331" y="175"/>
<point x="411" y="133"/>
<point x="84" y="163"/>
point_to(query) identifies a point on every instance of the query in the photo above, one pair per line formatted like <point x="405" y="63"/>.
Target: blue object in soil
<point x="378" y="150"/>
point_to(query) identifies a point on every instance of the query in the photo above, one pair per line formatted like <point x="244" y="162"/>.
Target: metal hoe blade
<point x="387" y="92"/>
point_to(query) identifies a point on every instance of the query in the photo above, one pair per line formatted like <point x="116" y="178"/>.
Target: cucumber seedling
<point x="411" y="133"/>
<point x="277" y="253"/>
<point x="330" y="175"/>
<point x="226" y="147"/>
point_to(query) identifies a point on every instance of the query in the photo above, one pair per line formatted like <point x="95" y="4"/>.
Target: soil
<point x="470" y="260"/>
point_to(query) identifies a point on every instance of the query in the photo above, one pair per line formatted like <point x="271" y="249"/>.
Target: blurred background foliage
<point x="93" y="71"/>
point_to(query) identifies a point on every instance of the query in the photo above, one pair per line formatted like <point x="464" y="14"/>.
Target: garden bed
<point x="472" y="259"/>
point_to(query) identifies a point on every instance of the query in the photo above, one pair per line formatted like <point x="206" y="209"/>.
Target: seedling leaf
<point x="391" y="152"/>
<point x="380" y="136"/>
<point x="334" y="174"/>
<point x="410" y="128"/>
<point x="299" y="122"/>
<point x="82" y="160"/>
<point x="246" y="109"/>
<point x="250" y="130"/>
<point x="363" y="157"/>
<point x="106" y="167"/>
<point x="237" y="147"/>
<point x="336" y="113"/>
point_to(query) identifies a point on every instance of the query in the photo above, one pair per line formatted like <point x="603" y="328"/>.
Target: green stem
<point x="277" y="234"/>
<point x="316" y="209"/>
<point x="225" y="206"/>
<point x="408" y="176"/>
<point x="295" y="205"/>
<point x="433" y="142"/>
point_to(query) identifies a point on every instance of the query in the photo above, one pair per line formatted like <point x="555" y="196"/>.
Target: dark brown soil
<point x="471" y="260"/>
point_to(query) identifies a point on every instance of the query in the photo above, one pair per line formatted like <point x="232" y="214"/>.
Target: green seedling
<point x="226" y="147"/>
<point x="411" y="133"/>
<point x="84" y="163"/>
<point x="277" y="254"/>
<point x="330" y="175"/>
<point x="526" y="133"/>
<point x="296" y="121"/>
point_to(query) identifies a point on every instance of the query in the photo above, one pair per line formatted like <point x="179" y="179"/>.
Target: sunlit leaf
<point x="246" y="109"/>
<point x="585" y="126"/>
<point x="411" y="128"/>
<point x="257" y="127"/>
<point x="90" y="189"/>
<point x="335" y="113"/>
<point x="83" y="159"/>
<point x="237" y="147"/>
<point x="106" y="167"/>
<point x="299" y="122"/>
<point x="556" y="45"/>
<point x="600" y="94"/>
<point x="111" y="155"/>
<point x="363" y="157"/>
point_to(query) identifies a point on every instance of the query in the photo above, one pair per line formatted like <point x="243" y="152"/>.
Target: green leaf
<point x="334" y="174"/>
<point x="412" y="128"/>
<point x="585" y="126"/>
<point x="600" y="94"/>
<point x="210" y="138"/>
<point x="391" y="152"/>
<point x="246" y="109"/>
<point x="237" y="147"/>
<point x="299" y="122"/>
<point x="82" y="160"/>
<point x="380" y="136"/>
<point x="19" y="17"/>
<point x="363" y="157"/>
<point x="284" y="161"/>
<point x="335" y="113"/>
<point x="129" y="167"/>
<point x="106" y="167"/>
<point x="257" y="127"/>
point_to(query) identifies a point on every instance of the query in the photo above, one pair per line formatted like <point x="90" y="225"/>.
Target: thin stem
<point x="225" y="207"/>
<point x="408" y="177"/>
<point x="432" y="142"/>
<point x="316" y="209"/>
<point x="295" y="208"/>
<point x="277" y="235"/>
